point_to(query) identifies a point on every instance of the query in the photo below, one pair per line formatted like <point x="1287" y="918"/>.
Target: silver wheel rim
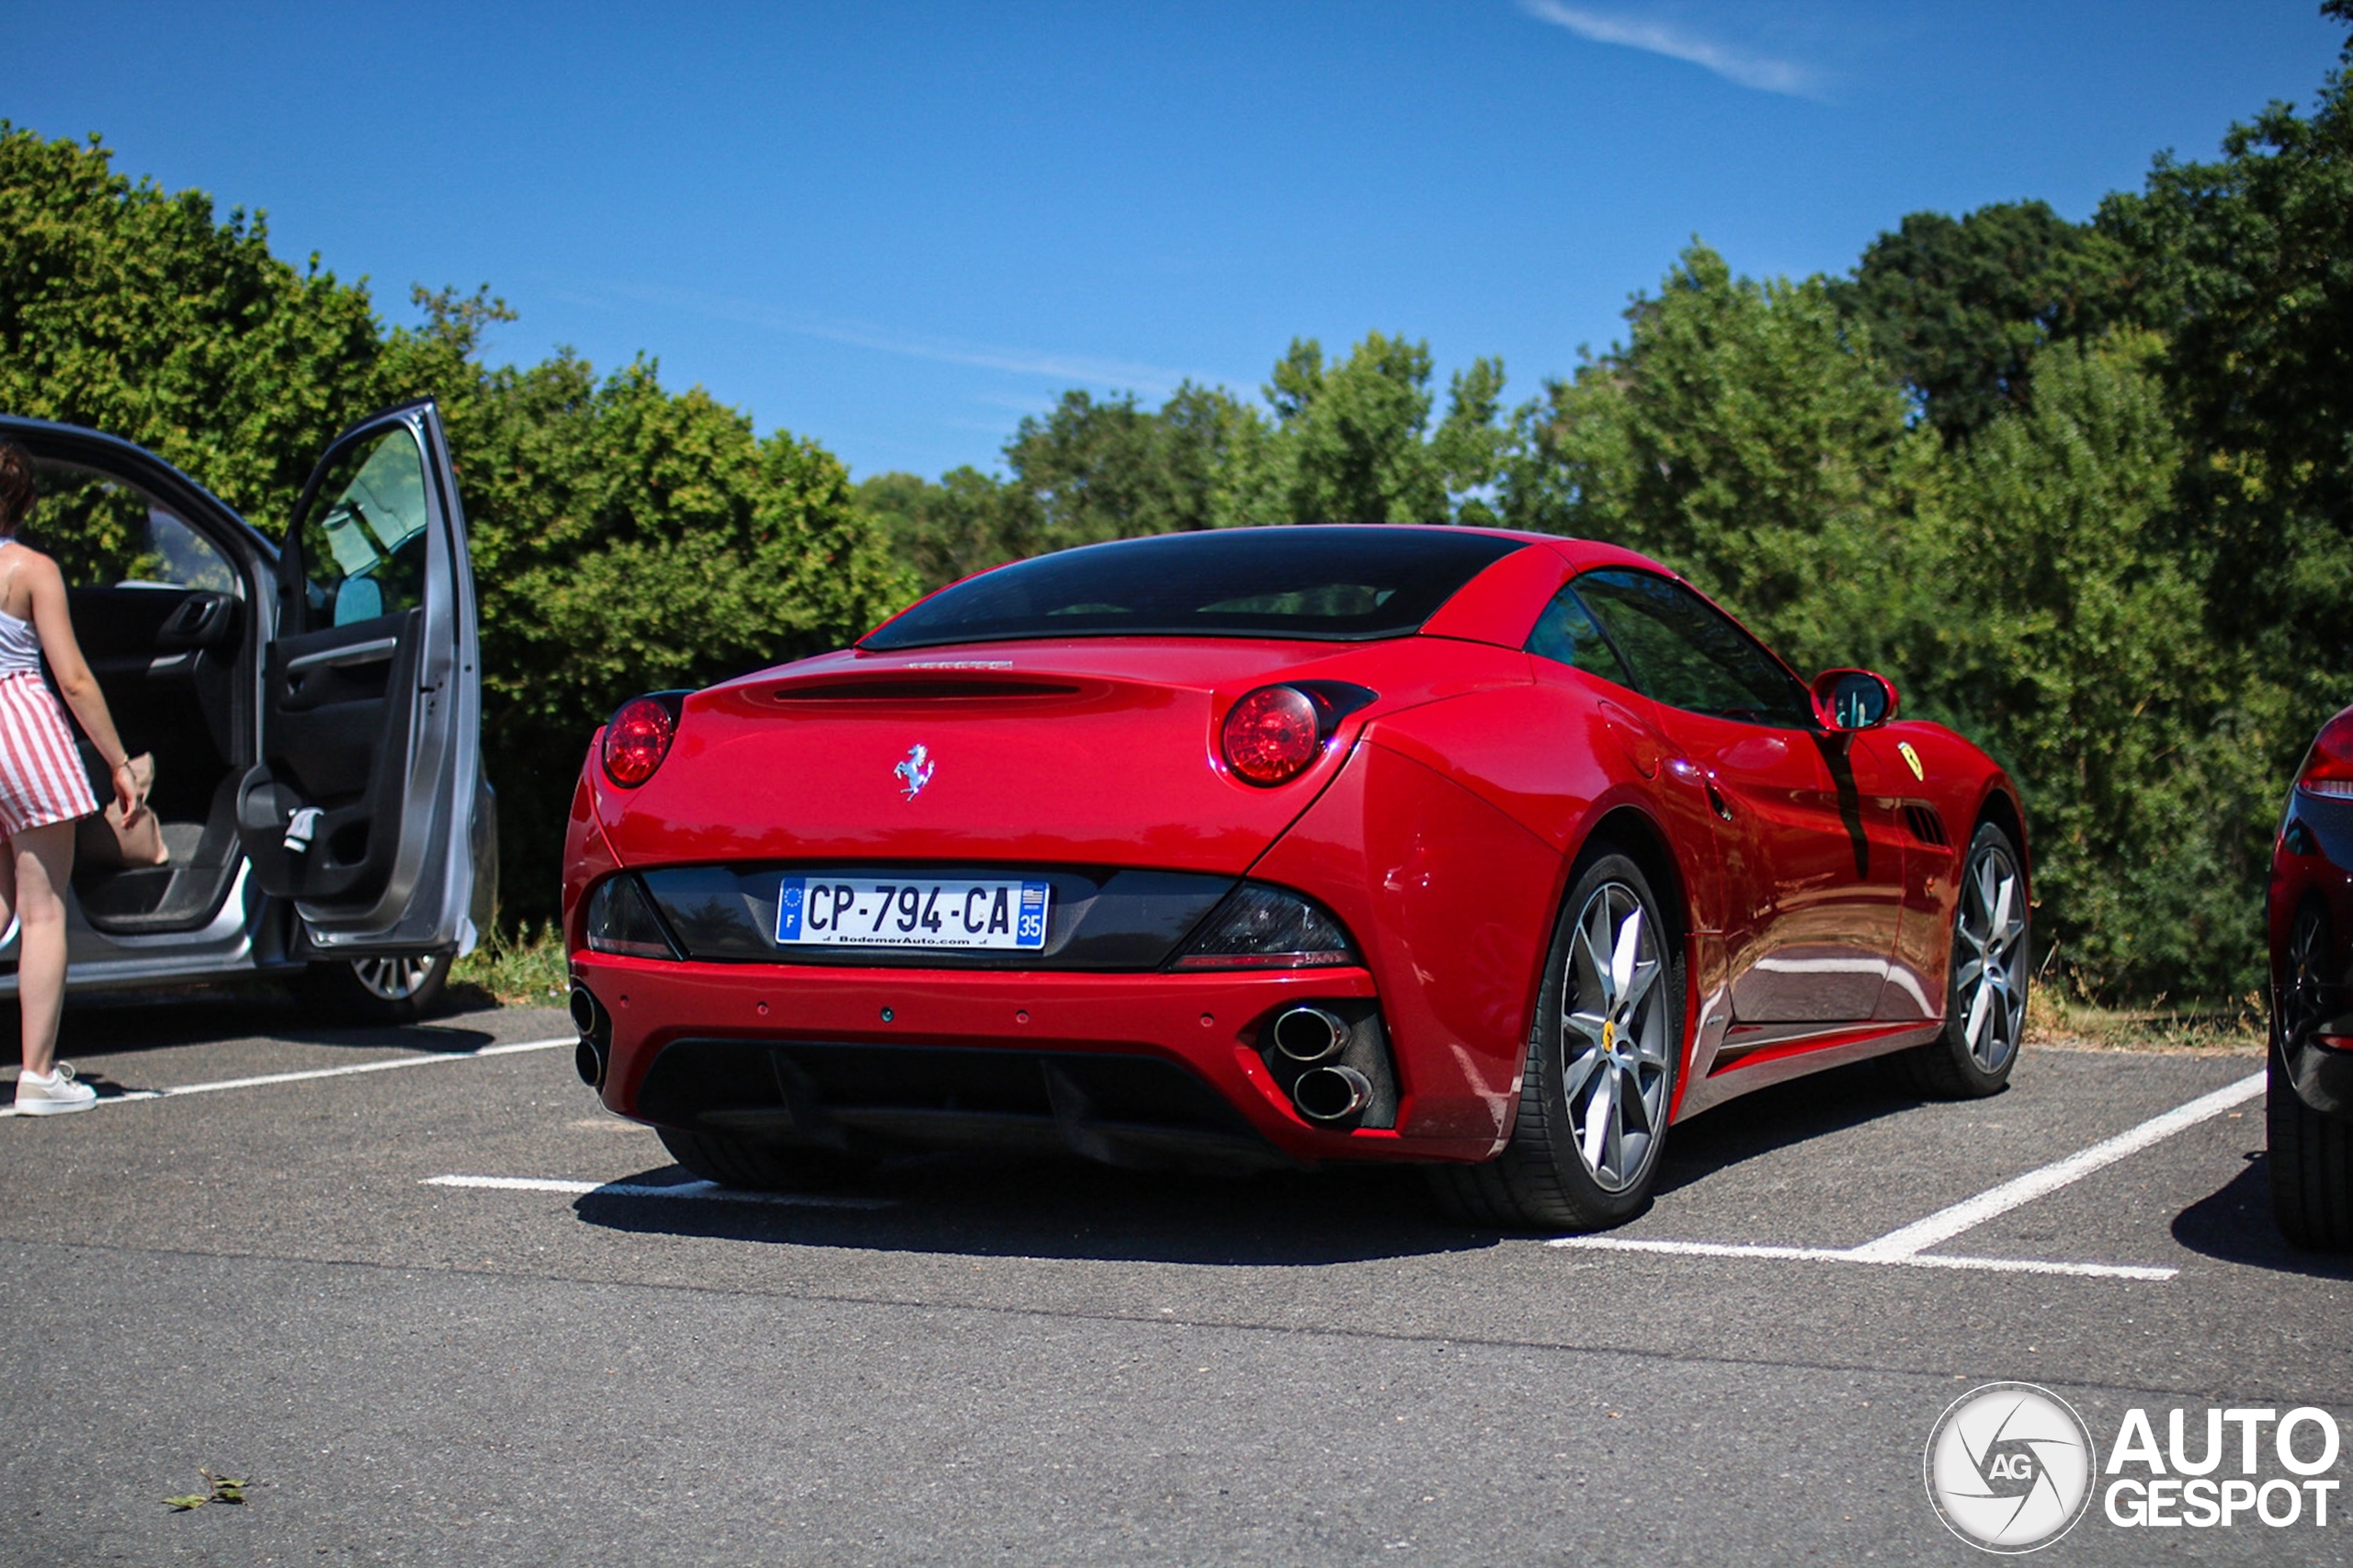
<point x="392" y="980"/>
<point x="1613" y="1036"/>
<point x="1989" y="958"/>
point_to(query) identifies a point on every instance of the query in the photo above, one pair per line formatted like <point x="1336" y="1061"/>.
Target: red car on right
<point x="2311" y="928"/>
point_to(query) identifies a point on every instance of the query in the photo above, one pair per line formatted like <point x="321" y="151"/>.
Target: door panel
<point x="1806" y="835"/>
<point x="1820" y="888"/>
<point x="360" y="809"/>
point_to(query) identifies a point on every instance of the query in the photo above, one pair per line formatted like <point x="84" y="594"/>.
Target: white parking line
<point x="700" y="1191"/>
<point x="1856" y="1255"/>
<point x="1907" y="1245"/>
<point x="1946" y="1223"/>
<point x="128" y="1096"/>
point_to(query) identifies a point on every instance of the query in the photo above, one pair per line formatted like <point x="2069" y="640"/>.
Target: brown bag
<point x="108" y="840"/>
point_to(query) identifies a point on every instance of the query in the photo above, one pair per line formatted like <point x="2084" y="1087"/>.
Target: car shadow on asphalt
<point x="1771" y="1120"/>
<point x="991" y="1206"/>
<point x="100" y="1026"/>
<point x="1003" y="1206"/>
<point x="2235" y="1225"/>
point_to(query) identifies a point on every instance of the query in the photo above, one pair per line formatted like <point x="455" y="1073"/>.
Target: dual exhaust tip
<point x="588" y="1056"/>
<point x="1327" y="1091"/>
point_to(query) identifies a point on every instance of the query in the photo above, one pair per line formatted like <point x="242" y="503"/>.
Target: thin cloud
<point x="1757" y="71"/>
<point x="1088" y="369"/>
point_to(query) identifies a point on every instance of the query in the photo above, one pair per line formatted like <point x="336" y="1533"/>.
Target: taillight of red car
<point x="1276" y="732"/>
<point x="638" y="737"/>
<point x="2328" y="767"/>
<point x="1272" y="734"/>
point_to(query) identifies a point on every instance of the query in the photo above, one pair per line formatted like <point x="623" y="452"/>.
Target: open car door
<point x="361" y="808"/>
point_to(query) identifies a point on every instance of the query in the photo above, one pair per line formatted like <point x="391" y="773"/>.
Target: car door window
<point x="363" y="539"/>
<point x="107" y="531"/>
<point x="1567" y="634"/>
<point x="1686" y="654"/>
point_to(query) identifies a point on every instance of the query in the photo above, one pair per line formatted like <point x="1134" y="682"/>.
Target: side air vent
<point x="1927" y="826"/>
<point x="918" y="690"/>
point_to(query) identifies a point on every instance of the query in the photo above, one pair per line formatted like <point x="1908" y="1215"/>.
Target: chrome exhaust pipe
<point x="584" y="1011"/>
<point x="1331" y="1094"/>
<point x="1309" y="1034"/>
<point x="588" y="1056"/>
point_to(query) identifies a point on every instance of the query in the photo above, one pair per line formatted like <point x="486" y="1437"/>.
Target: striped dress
<point x="40" y="774"/>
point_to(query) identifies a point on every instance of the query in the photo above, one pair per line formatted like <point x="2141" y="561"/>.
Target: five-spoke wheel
<point x="1613" y="1034"/>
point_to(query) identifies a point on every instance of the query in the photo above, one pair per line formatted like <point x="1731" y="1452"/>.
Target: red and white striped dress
<point x="40" y="774"/>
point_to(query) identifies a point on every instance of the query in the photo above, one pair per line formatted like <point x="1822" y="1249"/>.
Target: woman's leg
<point x="42" y="866"/>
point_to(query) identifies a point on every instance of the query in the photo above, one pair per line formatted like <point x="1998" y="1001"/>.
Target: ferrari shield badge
<point x="914" y="769"/>
<point x="1911" y="760"/>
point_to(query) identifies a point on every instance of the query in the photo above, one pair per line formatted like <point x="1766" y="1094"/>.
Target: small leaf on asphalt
<point x="182" y="1504"/>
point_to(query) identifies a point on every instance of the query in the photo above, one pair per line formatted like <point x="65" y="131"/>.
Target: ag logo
<point x="2009" y="1467"/>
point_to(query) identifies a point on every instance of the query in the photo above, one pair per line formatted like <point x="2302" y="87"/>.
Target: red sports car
<point x="1492" y="852"/>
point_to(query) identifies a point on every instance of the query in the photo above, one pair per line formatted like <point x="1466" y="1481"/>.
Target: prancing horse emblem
<point x="914" y="769"/>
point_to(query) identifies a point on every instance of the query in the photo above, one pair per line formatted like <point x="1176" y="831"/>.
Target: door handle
<point x="368" y="652"/>
<point x="1716" y="799"/>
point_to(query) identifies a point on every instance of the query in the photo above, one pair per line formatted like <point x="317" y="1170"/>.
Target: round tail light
<point x="1272" y="734"/>
<point x="637" y="739"/>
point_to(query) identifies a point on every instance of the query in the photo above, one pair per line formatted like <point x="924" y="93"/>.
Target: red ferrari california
<point x="1495" y="852"/>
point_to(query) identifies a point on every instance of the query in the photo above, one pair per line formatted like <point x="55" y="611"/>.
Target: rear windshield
<point x="1329" y="582"/>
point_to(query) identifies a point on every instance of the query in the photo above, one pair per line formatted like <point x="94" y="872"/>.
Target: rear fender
<point x="1453" y="902"/>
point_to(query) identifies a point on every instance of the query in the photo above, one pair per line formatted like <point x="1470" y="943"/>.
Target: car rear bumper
<point x="805" y="1053"/>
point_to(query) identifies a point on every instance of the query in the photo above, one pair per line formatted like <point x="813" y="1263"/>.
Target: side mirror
<point x="1853" y="699"/>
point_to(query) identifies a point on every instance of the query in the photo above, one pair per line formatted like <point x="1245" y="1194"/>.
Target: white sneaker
<point x="54" y="1094"/>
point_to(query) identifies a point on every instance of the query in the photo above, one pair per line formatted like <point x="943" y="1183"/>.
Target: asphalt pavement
<point x="434" y="1304"/>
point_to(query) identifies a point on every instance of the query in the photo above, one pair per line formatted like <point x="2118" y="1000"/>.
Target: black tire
<point x="758" y="1167"/>
<point x="2310" y="1155"/>
<point x="1990" y="928"/>
<point x="1545" y="1179"/>
<point x="375" y="991"/>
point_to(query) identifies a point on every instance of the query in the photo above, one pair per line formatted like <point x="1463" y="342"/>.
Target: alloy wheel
<point x="393" y="979"/>
<point x="1989" y="957"/>
<point x="1614" y="1037"/>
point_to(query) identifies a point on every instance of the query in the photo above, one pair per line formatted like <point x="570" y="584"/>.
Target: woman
<point x="42" y="790"/>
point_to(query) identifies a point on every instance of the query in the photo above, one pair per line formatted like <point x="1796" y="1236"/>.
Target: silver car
<point x="314" y="709"/>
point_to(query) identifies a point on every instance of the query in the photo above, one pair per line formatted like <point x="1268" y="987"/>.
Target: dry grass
<point x="2058" y="1019"/>
<point x="522" y="969"/>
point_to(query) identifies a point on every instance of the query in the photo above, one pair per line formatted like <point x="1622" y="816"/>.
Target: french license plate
<point x="915" y="912"/>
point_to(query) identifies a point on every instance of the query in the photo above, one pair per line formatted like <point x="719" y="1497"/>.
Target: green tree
<point x="1960" y="307"/>
<point x="1352" y="443"/>
<point x="2049" y="618"/>
<point x="2250" y="261"/>
<point x="133" y="311"/>
<point x="624" y="537"/>
<point x="627" y="537"/>
<point x="1740" y="433"/>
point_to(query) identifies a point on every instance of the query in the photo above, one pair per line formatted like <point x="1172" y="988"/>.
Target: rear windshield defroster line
<point x="1330" y="581"/>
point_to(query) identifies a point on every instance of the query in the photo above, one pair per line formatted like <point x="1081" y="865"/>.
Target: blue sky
<point x="899" y="227"/>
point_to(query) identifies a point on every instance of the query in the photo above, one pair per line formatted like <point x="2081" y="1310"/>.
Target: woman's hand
<point x="127" y="793"/>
